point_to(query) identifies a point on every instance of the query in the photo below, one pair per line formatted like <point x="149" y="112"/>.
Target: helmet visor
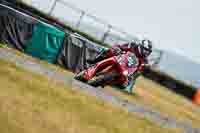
<point x="146" y="52"/>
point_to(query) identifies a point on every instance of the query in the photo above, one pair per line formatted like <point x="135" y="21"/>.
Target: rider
<point x="142" y="50"/>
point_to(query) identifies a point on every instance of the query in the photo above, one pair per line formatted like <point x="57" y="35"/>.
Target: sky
<point x="172" y="25"/>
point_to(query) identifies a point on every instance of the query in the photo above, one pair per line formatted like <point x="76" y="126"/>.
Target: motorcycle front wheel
<point x="103" y="78"/>
<point x="80" y="77"/>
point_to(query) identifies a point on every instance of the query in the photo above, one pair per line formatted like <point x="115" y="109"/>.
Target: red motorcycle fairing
<point x="124" y="64"/>
<point x="90" y="72"/>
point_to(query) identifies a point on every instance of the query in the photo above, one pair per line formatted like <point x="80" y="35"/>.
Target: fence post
<point x="53" y="6"/>
<point x="159" y="58"/>
<point x="80" y="18"/>
<point x="106" y="33"/>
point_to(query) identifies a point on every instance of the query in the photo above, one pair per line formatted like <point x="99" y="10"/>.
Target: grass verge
<point x="35" y="103"/>
<point x="159" y="98"/>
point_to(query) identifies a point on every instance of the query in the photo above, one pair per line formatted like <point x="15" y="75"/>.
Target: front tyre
<point x="100" y="80"/>
<point x="80" y="76"/>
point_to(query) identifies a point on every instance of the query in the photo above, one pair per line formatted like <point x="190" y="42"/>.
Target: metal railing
<point x="81" y="20"/>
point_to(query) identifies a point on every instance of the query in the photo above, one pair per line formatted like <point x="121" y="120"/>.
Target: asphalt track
<point x="25" y="63"/>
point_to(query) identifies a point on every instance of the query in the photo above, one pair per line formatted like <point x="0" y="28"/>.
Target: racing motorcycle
<point x="115" y="70"/>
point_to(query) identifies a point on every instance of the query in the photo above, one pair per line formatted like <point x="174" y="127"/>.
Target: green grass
<point x="161" y="99"/>
<point x="169" y="102"/>
<point x="2" y="45"/>
<point x="32" y="103"/>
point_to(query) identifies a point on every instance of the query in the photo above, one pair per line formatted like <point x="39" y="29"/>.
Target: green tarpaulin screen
<point x="45" y="43"/>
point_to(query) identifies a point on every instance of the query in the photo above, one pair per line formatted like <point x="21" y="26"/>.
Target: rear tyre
<point x="100" y="80"/>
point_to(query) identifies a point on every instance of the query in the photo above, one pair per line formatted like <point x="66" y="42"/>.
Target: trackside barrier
<point x="82" y="21"/>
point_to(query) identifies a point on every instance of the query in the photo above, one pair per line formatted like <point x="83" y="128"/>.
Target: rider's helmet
<point x="144" y="49"/>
